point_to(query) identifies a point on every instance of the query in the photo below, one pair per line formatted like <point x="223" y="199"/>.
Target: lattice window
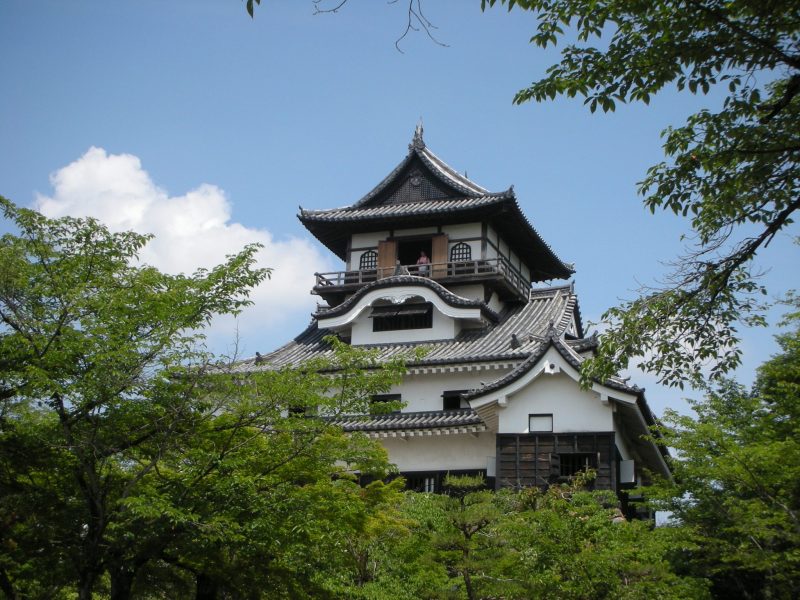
<point x="369" y="260"/>
<point x="460" y="252"/>
<point x="404" y="316"/>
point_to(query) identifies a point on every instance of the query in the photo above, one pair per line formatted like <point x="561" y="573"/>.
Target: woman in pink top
<point x="423" y="263"/>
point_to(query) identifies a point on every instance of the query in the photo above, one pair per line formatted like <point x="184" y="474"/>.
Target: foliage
<point x="564" y="542"/>
<point x="132" y="464"/>
<point x="572" y="543"/>
<point x="737" y="479"/>
<point x="733" y="172"/>
<point x="462" y="546"/>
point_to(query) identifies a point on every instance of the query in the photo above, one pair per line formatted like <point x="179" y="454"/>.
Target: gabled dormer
<point x="478" y="242"/>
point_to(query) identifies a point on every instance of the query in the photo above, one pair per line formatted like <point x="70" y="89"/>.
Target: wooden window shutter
<point x="439" y="255"/>
<point x="387" y="257"/>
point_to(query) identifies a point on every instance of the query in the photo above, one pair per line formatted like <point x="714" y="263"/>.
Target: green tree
<point x="567" y="542"/>
<point x="733" y="172"/>
<point x="128" y="460"/>
<point x="564" y="542"/>
<point x="102" y="356"/>
<point x="737" y="479"/>
<point x="462" y="546"/>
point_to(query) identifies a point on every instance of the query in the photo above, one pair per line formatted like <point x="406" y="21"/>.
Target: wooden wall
<point x="525" y="460"/>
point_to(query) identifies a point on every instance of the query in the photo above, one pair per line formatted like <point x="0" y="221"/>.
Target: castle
<point x="433" y="259"/>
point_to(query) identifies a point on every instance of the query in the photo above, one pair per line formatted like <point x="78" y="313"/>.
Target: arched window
<point x="369" y="260"/>
<point x="460" y="252"/>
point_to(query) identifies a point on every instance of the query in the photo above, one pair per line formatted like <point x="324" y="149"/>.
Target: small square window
<point x="380" y="404"/>
<point x="451" y="400"/>
<point x="540" y="422"/>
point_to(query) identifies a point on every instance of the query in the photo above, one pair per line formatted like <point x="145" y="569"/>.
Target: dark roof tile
<point x="530" y="322"/>
<point x="408" y="420"/>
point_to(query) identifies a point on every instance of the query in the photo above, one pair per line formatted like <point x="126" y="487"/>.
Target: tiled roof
<point x="438" y="167"/>
<point x="410" y="280"/>
<point x="456" y="199"/>
<point x="566" y="352"/>
<point x="408" y="420"/>
<point x="404" y="209"/>
<point x="583" y="344"/>
<point x="530" y="322"/>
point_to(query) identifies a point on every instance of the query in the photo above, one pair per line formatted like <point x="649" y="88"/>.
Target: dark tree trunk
<point x="121" y="583"/>
<point x="86" y="585"/>
<point x="207" y="588"/>
<point x="5" y="585"/>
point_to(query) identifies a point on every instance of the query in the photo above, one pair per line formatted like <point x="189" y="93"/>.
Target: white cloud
<point x="191" y="231"/>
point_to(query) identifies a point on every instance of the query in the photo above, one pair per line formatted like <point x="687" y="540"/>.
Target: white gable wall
<point x="551" y="386"/>
<point x="446" y="319"/>
<point x="573" y="409"/>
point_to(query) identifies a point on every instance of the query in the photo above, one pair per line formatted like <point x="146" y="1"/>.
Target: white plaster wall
<point x="491" y="235"/>
<point x="368" y="240"/>
<point x="441" y="452"/>
<point x="573" y="409"/>
<point x="416" y="231"/>
<point x="503" y="247"/>
<point x="472" y="290"/>
<point x="462" y="230"/>
<point x="444" y="328"/>
<point x="526" y="272"/>
<point x="423" y="392"/>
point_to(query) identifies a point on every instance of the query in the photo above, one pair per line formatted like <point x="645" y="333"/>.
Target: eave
<point x="333" y="228"/>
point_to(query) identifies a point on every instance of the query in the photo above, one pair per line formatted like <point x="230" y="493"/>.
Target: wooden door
<point x="439" y="256"/>
<point x="387" y="258"/>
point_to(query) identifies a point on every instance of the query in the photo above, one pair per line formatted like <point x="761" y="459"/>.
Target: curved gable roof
<point x="408" y="281"/>
<point x="568" y="353"/>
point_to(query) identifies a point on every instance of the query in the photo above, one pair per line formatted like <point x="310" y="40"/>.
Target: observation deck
<point x="497" y="273"/>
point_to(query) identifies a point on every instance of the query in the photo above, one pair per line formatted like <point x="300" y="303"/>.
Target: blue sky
<point x="188" y="119"/>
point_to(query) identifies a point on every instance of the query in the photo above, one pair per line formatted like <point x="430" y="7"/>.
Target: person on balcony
<point x="423" y="264"/>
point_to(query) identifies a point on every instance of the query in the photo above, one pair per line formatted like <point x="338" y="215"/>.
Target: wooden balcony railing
<point x="461" y="269"/>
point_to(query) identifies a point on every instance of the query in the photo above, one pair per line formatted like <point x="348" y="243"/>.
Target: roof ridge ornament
<point x="417" y="143"/>
<point x="552" y="332"/>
